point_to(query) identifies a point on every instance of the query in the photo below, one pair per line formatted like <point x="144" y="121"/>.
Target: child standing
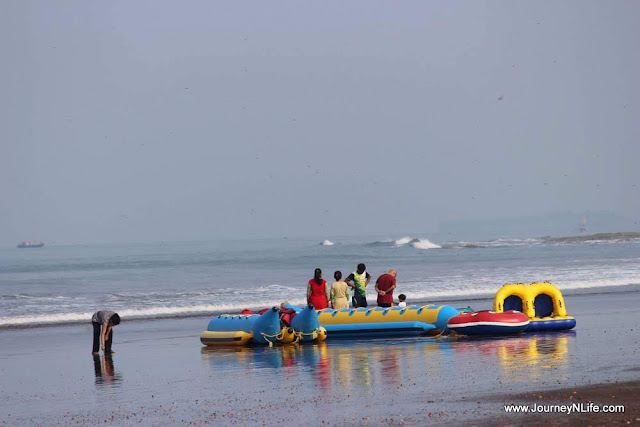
<point x="402" y="298"/>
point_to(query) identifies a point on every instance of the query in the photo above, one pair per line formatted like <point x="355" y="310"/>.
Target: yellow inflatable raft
<point x="541" y="302"/>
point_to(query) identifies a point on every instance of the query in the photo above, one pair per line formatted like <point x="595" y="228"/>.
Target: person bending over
<point x="103" y="323"/>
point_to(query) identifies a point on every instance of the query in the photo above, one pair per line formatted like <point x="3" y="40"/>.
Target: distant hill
<point x="620" y="237"/>
<point x="553" y="224"/>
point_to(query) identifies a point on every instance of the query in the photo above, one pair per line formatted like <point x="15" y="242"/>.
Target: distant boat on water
<point x="29" y="244"/>
<point x="583" y="226"/>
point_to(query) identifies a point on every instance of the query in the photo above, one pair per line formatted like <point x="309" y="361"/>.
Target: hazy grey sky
<point x="147" y="120"/>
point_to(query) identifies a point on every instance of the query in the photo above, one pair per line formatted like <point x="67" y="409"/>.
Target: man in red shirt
<point x="384" y="287"/>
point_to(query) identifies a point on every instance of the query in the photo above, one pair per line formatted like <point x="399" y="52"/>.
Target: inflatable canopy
<point x="541" y="302"/>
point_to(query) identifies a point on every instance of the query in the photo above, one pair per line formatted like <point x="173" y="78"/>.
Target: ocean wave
<point x="138" y="313"/>
<point x="483" y="288"/>
<point x="424" y="244"/>
<point x="496" y="243"/>
<point x="415" y="290"/>
<point x="213" y="293"/>
<point x="403" y="241"/>
<point x="382" y="243"/>
<point x="327" y="243"/>
<point x="40" y="298"/>
<point x="602" y="238"/>
<point x="416" y="243"/>
<point x="598" y="283"/>
<point x="161" y="263"/>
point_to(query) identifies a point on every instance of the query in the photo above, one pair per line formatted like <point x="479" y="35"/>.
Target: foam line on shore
<point x="62" y="319"/>
<point x="134" y="314"/>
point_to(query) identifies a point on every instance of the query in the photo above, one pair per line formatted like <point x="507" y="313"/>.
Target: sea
<point x="58" y="285"/>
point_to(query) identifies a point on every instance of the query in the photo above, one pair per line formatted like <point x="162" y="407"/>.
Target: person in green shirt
<point x="358" y="281"/>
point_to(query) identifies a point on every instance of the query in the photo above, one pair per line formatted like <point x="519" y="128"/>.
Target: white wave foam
<point x="142" y="313"/>
<point x="407" y="240"/>
<point x="402" y="241"/>
<point x="607" y="238"/>
<point x="598" y="283"/>
<point x="41" y="298"/>
<point x="326" y="243"/>
<point x="498" y="243"/>
<point x="424" y="244"/>
<point x="44" y="319"/>
<point x="458" y="288"/>
<point x="442" y="295"/>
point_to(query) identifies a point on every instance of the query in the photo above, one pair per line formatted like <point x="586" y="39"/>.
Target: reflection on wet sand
<point x="525" y="357"/>
<point x="346" y="364"/>
<point x="104" y="371"/>
<point x="390" y="365"/>
<point x="539" y="353"/>
<point x="363" y="364"/>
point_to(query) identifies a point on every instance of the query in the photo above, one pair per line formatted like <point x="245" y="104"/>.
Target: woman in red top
<point x="317" y="291"/>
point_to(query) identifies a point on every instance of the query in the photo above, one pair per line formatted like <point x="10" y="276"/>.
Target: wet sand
<point x="626" y="394"/>
<point x="161" y="374"/>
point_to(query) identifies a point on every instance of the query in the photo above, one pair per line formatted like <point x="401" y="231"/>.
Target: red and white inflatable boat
<point x="488" y="323"/>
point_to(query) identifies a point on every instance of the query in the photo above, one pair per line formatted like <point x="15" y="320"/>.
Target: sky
<point x="156" y="121"/>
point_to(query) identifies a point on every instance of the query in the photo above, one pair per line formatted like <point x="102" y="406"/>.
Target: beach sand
<point x="162" y="375"/>
<point x="626" y="394"/>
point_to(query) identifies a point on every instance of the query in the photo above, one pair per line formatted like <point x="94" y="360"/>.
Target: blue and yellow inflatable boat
<point x="265" y="328"/>
<point x="231" y="329"/>
<point x="385" y="322"/>
<point x="306" y="327"/>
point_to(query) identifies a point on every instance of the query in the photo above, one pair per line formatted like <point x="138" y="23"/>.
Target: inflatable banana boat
<point x="265" y="328"/>
<point x="306" y="326"/>
<point x="541" y="302"/>
<point x="385" y="322"/>
<point x="229" y="329"/>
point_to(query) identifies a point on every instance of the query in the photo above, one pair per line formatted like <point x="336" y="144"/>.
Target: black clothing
<point x="96" y="339"/>
<point x="358" y="300"/>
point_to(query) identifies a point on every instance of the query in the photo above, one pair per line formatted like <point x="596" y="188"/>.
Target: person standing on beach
<point x="317" y="291"/>
<point x="358" y="281"/>
<point x="103" y="323"/>
<point x="339" y="292"/>
<point x="385" y="285"/>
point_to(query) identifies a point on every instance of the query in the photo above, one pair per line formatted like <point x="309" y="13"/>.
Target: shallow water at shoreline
<point x="161" y="374"/>
<point x="66" y="284"/>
